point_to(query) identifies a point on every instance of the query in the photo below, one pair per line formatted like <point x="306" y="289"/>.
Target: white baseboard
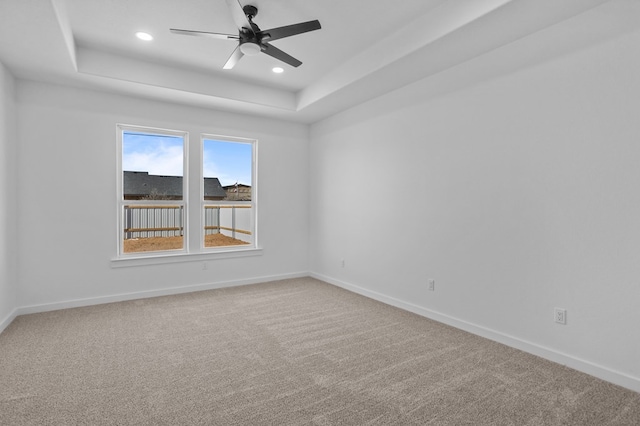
<point x="8" y="320"/>
<point x="601" y="372"/>
<point x="32" y="309"/>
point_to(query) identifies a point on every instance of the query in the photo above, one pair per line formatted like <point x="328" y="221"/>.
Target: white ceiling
<point x="364" y="49"/>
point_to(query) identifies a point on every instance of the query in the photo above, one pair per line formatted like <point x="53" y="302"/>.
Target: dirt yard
<point x="175" y="243"/>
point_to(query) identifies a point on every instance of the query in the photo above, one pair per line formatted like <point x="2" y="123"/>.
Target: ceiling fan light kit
<point x="251" y="39"/>
<point x="250" y="49"/>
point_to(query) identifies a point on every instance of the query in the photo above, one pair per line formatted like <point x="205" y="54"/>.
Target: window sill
<point x="161" y="259"/>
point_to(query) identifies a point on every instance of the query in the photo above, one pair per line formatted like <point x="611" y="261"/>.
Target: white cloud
<point x="162" y="159"/>
<point x="226" y="175"/>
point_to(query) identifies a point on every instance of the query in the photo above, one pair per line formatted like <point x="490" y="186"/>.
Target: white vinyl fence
<point x="232" y="220"/>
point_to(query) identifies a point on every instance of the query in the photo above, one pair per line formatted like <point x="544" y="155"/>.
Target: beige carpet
<point x="294" y="352"/>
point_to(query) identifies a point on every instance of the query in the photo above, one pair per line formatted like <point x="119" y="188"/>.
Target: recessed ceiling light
<point x="144" y="36"/>
<point x="277" y="70"/>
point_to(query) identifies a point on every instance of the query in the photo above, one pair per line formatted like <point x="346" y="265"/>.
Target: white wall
<point x="517" y="195"/>
<point x="8" y="198"/>
<point x="67" y="162"/>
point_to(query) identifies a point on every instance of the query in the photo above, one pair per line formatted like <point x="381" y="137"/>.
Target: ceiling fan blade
<point x="205" y="34"/>
<point x="233" y="59"/>
<point x="289" y="30"/>
<point x="280" y="55"/>
<point x="237" y="13"/>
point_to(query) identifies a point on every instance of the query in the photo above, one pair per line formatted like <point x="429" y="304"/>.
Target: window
<point x="227" y="166"/>
<point x="155" y="216"/>
<point x="152" y="190"/>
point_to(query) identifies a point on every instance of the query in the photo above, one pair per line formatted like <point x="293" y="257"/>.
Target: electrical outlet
<point x="204" y="266"/>
<point x="432" y="284"/>
<point x="560" y="315"/>
<point x="342" y="263"/>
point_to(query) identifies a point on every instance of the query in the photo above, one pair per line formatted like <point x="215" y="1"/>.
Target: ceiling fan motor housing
<point x="250" y="11"/>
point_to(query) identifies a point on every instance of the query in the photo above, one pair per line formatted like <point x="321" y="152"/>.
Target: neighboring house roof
<point x="213" y="189"/>
<point x="240" y="185"/>
<point x="140" y="184"/>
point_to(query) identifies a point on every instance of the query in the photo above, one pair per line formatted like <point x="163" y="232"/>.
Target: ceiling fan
<point x="251" y="39"/>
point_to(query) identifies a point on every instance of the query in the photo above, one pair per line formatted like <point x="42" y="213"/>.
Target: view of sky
<point x="162" y="155"/>
<point x="230" y="162"/>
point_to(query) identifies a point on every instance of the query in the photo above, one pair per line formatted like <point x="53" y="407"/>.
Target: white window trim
<point x="183" y="255"/>
<point x="162" y="258"/>
<point x="254" y="191"/>
<point x="121" y="128"/>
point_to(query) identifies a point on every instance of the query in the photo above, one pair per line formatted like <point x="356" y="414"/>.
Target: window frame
<point x="254" y="193"/>
<point x="190" y="251"/>
<point x="184" y="203"/>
